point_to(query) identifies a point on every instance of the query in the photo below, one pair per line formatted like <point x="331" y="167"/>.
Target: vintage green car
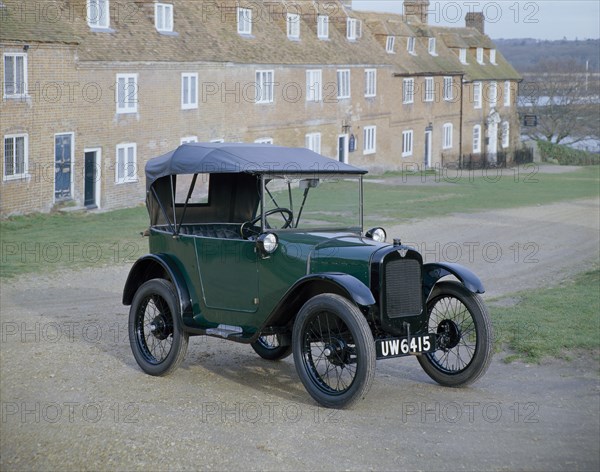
<point x="264" y="245"/>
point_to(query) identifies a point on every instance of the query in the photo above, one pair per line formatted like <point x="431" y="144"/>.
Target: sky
<point x="539" y="19"/>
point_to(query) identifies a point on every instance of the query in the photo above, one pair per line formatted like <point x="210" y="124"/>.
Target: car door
<point x="228" y="273"/>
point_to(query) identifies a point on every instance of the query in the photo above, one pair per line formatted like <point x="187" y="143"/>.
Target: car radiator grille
<point x="403" y="288"/>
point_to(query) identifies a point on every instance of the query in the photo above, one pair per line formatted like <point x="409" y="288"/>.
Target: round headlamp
<point x="267" y="243"/>
<point x="377" y="234"/>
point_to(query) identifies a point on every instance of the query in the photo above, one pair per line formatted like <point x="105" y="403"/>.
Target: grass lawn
<point x="551" y="322"/>
<point x="469" y="191"/>
<point x="43" y="242"/>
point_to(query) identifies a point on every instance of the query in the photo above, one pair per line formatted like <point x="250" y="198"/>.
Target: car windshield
<point x="314" y="202"/>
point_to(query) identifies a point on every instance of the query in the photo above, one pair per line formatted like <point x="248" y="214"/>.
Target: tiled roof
<point x="206" y="31"/>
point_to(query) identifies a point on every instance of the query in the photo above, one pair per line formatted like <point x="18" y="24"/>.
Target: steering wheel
<point x="248" y="229"/>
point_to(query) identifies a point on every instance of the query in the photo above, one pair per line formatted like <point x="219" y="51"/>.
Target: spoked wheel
<point x="334" y="351"/>
<point x="464" y="331"/>
<point x="156" y="336"/>
<point x="270" y="348"/>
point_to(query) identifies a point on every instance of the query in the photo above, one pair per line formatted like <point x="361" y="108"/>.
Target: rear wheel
<point x="270" y="348"/>
<point x="462" y="323"/>
<point x="334" y="351"/>
<point x="156" y="336"/>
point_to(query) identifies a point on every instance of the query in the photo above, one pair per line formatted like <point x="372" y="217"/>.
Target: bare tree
<point x="565" y="99"/>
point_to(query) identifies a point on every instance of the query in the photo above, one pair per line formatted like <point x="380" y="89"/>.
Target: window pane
<point x="9" y="75"/>
<point x="9" y="156"/>
<point x="120" y="164"/>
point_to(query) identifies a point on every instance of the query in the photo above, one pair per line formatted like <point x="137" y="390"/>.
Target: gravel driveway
<point x="73" y="398"/>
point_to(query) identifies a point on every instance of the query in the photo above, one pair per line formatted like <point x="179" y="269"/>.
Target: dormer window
<point x="98" y="14"/>
<point x="244" y="20"/>
<point x="163" y="17"/>
<point x="353" y="29"/>
<point x="293" y="26"/>
<point x="462" y="55"/>
<point x="410" y="45"/>
<point x="431" y="47"/>
<point x="389" y="45"/>
<point x="323" y="27"/>
<point x="493" y="57"/>
<point x="480" y="55"/>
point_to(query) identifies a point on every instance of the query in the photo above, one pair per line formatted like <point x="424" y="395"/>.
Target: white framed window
<point x="244" y="20"/>
<point x="493" y="57"/>
<point x="314" y="85"/>
<point x="189" y="139"/>
<point x="505" y="134"/>
<point x="480" y="55"/>
<point x="407" y="143"/>
<point x="343" y="83"/>
<point x="322" y="27"/>
<point x="408" y="91"/>
<point x="410" y="45"/>
<point x="462" y="55"/>
<point x="477" y="138"/>
<point x="126" y="169"/>
<point x="431" y="47"/>
<point x="189" y="90"/>
<point x="312" y="141"/>
<point x="16" y="155"/>
<point x="448" y="89"/>
<point x="293" y="26"/>
<point x="370" y="83"/>
<point x="127" y="93"/>
<point x="353" y="29"/>
<point x="492" y="94"/>
<point x="447" y="136"/>
<point x="370" y="140"/>
<point x="477" y="95"/>
<point x="15" y="75"/>
<point x="507" y="94"/>
<point x="429" y="89"/>
<point x="163" y="17"/>
<point x="264" y="141"/>
<point x="98" y="13"/>
<point x="389" y="44"/>
<point x="264" y="86"/>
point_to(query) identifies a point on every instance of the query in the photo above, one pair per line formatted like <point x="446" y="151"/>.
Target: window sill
<point x="168" y="33"/>
<point x="100" y="29"/>
<point x="407" y="155"/>
<point x="189" y="107"/>
<point x="16" y="178"/>
<point x="368" y="153"/>
<point x="126" y="182"/>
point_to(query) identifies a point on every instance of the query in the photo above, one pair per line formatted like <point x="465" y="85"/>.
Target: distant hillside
<point x="527" y="54"/>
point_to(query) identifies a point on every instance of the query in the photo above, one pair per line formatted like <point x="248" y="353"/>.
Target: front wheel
<point x="156" y="336"/>
<point x="269" y="347"/>
<point x="334" y="351"/>
<point x="464" y="336"/>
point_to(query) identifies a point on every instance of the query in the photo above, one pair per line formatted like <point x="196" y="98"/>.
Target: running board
<point x="224" y="331"/>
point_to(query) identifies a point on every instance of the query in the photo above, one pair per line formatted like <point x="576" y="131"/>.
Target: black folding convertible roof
<point x="231" y="158"/>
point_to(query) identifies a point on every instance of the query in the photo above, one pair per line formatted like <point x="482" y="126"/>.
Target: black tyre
<point x="334" y="351"/>
<point x="270" y="348"/>
<point x="156" y="336"/>
<point x="464" y="330"/>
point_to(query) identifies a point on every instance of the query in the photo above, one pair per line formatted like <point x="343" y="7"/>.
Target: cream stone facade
<point x="93" y="89"/>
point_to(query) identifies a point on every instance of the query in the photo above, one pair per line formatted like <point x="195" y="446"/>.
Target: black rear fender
<point x="156" y="266"/>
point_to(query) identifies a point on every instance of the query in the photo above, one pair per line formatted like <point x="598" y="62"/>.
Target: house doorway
<point x="343" y="148"/>
<point x="91" y="178"/>
<point x="63" y="161"/>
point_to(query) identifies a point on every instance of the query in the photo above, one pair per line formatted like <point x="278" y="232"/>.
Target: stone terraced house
<point x="92" y="89"/>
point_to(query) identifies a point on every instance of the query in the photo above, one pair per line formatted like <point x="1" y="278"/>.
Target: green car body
<point x="239" y="276"/>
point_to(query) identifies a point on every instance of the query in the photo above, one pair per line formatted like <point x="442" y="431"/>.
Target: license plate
<point x="404" y="346"/>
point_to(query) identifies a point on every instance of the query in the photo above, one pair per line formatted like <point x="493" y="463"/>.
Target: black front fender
<point x="153" y="266"/>
<point x="434" y="271"/>
<point x="315" y="284"/>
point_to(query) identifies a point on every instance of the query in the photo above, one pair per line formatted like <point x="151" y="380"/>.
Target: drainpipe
<point x="460" y="125"/>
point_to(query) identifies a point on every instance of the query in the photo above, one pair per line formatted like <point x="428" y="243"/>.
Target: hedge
<point x="565" y="155"/>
